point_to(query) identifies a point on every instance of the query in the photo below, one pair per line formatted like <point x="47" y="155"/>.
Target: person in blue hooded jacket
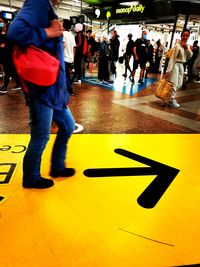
<point x="37" y="24"/>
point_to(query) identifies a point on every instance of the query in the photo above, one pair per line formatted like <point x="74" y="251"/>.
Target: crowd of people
<point x="82" y="51"/>
<point x="7" y="68"/>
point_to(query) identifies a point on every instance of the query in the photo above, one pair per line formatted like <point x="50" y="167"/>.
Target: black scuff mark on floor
<point x="147" y="238"/>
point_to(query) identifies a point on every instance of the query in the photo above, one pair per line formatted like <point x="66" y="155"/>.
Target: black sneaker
<point x="3" y="90"/>
<point x="124" y="75"/>
<point x="41" y="183"/>
<point x="132" y="81"/>
<point x="140" y="82"/>
<point x="66" y="172"/>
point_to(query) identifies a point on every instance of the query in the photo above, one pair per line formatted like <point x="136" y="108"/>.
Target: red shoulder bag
<point x="36" y="66"/>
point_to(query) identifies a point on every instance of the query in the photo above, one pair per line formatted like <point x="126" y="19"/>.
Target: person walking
<point x="175" y="71"/>
<point x="140" y="56"/>
<point x="37" y="24"/>
<point x="128" y="54"/>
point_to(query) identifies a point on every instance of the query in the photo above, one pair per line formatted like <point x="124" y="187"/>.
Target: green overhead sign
<point x="119" y="12"/>
<point x="131" y="9"/>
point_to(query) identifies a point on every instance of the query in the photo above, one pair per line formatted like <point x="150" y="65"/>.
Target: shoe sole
<point x="172" y="106"/>
<point x="16" y="89"/>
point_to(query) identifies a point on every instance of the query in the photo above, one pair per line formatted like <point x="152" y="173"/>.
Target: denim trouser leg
<point x="66" y="124"/>
<point x="40" y="124"/>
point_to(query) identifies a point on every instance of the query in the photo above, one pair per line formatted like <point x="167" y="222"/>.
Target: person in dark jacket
<point x="128" y="55"/>
<point x="104" y="55"/>
<point x="195" y="51"/>
<point x="149" y="58"/>
<point x="158" y="55"/>
<point x="114" y="46"/>
<point x="6" y="60"/>
<point x="37" y="24"/>
<point x="78" y="53"/>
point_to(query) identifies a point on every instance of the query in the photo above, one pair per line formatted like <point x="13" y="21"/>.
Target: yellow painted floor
<point x="98" y="222"/>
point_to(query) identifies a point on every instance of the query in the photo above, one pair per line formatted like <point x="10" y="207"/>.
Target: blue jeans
<point x="41" y="117"/>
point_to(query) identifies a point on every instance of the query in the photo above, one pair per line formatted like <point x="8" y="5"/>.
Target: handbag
<point x="36" y="66"/>
<point x="164" y="90"/>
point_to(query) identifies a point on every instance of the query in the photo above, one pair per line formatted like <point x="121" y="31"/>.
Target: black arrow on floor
<point x="152" y="194"/>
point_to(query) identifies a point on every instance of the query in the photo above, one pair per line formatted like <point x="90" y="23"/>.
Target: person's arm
<point x="135" y="52"/>
<point x="173" y="58"/>
<point x="79" y="39"/>
<point x="64" y="41"/>
<point x="21" y="33"/>
<point x="90" y="42"/>
<point x="74" y="48"/>
<point x="161" y="48"/>
<point x="89" y="48"/>
<point x="74" y="51"/>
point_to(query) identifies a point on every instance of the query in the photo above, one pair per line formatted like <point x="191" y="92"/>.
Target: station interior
<point x="134" y="200"/>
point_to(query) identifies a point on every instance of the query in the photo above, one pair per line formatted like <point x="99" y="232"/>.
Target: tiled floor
<point x="114" y="108"/>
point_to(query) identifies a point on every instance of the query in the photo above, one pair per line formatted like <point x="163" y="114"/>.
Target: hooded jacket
<point x="114" y="45"/>
<point x="28" y="28"/>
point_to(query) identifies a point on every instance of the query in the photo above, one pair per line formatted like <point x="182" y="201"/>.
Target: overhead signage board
<point x="131" y="12"/>
<point x="145" y="10"/>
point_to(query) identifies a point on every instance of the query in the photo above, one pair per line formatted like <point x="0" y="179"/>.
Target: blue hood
<point x="35" y="13"/>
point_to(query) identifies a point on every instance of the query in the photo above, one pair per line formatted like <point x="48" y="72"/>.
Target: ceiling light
<point x="133" y="3"/>
<point x="4" y="8"/>
<point x="65" y="8"/>
<point x="75" y="10"/>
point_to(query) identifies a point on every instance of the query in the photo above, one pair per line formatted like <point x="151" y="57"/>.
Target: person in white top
<point x="69" y="52"/>
<point x="175" y="71"/>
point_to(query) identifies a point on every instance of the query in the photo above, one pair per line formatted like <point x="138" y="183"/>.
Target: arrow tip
<point x="118" y="150"/>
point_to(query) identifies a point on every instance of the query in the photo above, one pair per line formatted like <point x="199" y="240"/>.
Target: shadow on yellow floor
<point x="97" y="222"/>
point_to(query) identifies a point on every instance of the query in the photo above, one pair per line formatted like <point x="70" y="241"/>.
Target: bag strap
<point x="24" y="86"/>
